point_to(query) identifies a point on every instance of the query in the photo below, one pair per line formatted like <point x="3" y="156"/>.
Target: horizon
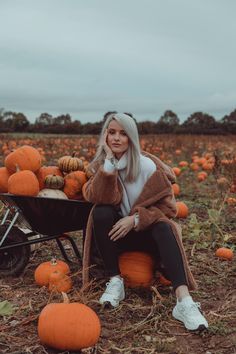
<point x="96" y="117"/>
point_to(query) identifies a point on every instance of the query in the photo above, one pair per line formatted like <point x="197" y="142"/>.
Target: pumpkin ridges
<point x="23" y="183"/>
<point x="74" y="182"/>
<point x="54" y="182"/>
<point x="69" y="164"/>
<point x="26" y="157"/>
<point x="82" y="324"/>
<point x="137" y="268"/>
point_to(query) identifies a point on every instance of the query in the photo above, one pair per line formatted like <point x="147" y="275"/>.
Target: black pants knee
<point x="157" y="239"/>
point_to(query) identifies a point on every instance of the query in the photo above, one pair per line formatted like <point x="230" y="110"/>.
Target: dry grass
<point x="143" y="323"/>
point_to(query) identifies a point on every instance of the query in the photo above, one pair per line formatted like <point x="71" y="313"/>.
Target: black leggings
<point x="158" y="239"/>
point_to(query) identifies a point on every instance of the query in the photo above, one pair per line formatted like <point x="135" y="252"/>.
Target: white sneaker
<point x="114" y="292"/>
<point x="187" y="311"/>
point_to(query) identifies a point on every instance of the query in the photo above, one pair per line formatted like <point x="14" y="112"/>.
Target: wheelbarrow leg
<point x="62" y="249"/>
<point x="9" y="228"/>
<point x="74" y="246"/>
<point x="5" y="216"/>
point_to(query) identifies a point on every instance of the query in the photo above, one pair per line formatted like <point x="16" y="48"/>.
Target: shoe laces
<point x="112" y="285"/>
<point x="193" y="307"/>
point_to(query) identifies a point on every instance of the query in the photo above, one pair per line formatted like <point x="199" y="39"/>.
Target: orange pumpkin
<point x="137" y="269"/>
<point x="183" y="163"/>
<point x="202" y="161"/>
<point x="231" y="201"/>
<point x="201" y="176"/>
<point x="25" y="157"/>
<point x="4" y="176"/>
<point x="176" y="170"/>
<point x="207" y="166"/>
<point x="182" y="210"/>
<point x="45" y="269"/>
<point x="178" y="151"/>
<point x="44" y="171"/>
<point x="59" y="282"/>
<point x="68" y="326"/>
<point x="203" y="173"/>
<point x="176" y="189"/>
<point x="74" y="182"/>
<point x="23" y="183"/>
<point x="194" y="166"/>
<point x="224" y="253"/>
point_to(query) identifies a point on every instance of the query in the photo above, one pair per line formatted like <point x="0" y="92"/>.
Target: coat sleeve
<point x="165" y="208"/>
<point x="102" y="188"/>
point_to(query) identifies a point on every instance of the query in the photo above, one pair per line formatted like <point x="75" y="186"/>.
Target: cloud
<point x="90" y="57"/>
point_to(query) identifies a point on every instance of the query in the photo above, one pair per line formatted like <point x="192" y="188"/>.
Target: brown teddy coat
<point x="155" y="203"/>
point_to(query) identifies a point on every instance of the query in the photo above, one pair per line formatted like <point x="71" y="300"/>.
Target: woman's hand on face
<point x="121" y="228"/>
<point x="108" y="151"/>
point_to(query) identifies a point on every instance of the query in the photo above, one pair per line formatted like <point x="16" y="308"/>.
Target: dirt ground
<point x="143" y="322"/>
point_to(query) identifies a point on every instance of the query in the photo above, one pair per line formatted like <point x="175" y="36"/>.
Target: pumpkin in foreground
<point x="137" y="268"/>
<point x="68" y="326"/>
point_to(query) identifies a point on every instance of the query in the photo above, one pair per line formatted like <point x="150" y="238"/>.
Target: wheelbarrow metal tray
<point x="50" y="216"/>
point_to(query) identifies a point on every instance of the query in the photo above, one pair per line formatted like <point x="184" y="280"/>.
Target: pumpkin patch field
<point x="45" y="309"/>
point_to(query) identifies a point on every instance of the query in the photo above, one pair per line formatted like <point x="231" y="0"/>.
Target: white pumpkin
<point x="52" y="193"/>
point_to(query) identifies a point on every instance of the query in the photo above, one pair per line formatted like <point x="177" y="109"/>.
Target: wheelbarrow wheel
<point x="13" y="260"/>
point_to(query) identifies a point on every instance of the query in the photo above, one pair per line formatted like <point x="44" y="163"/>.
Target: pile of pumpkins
<point x="24" y="174"/>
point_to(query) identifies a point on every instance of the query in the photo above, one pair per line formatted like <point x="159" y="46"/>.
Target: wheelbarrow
<point x="25" y="221"/>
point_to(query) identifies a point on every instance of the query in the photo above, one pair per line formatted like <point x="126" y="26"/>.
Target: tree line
<point x="196" y="123"/>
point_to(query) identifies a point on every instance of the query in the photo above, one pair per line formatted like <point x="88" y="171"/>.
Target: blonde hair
<point x="133" y="152"/>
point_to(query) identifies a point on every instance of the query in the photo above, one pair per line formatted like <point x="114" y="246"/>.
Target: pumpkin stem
<point x="74" y="153"/>
<point x="17" y="168"/>
<point x="65" y="298"/>
<point x="53" y="261"/>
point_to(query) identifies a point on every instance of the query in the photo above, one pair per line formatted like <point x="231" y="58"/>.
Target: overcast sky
<point x="87" y="57"/>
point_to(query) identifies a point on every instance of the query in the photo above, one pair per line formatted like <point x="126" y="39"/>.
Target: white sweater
<point x="131" y="191"/>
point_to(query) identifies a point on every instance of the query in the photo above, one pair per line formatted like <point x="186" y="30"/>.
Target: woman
<point x="133" y="207"/>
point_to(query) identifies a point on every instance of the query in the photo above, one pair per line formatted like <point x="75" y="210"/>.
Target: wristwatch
<point x="136" y="220"/>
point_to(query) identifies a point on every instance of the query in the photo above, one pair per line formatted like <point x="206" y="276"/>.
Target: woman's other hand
<point x="108" y="151"/>
<point x="121" y="228"/>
